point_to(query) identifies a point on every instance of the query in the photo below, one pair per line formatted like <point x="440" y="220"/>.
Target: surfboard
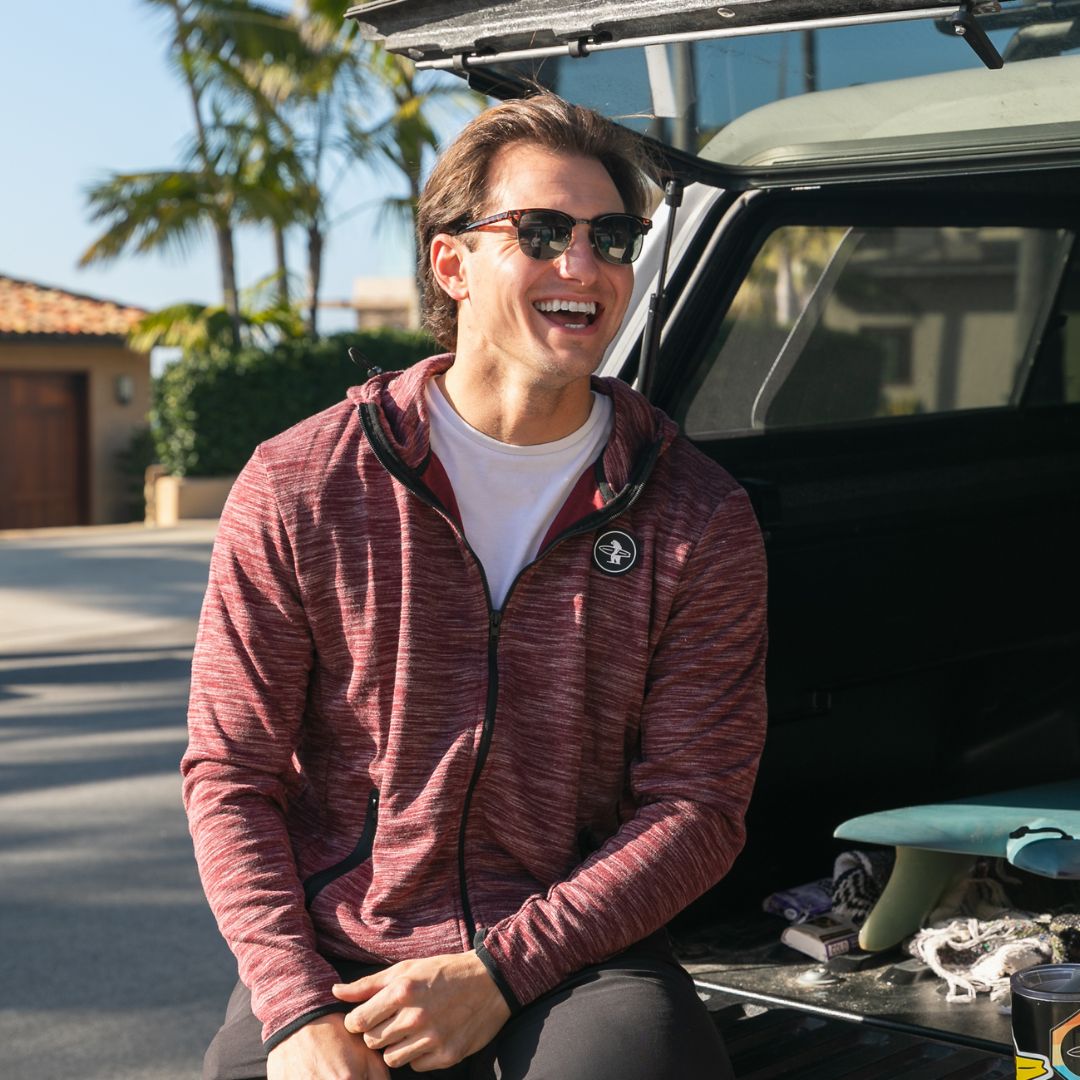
<point x="1035" y="828"/>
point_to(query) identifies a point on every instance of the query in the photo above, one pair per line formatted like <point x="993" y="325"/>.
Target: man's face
<point x="501" y="317"/>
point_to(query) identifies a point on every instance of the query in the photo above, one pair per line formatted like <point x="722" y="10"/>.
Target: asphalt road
<point x="110" y="963"/>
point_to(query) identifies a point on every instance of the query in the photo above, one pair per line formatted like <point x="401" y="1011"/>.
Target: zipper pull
<point x="494" y="622"/>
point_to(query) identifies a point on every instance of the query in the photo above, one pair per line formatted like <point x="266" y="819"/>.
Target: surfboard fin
<point x="919" y="879"/>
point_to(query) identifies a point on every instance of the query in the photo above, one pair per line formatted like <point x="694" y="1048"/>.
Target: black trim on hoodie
<point x="294" y="1026"/>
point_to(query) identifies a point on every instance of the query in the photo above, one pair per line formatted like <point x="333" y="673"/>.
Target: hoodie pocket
<point x="317" y="882"/>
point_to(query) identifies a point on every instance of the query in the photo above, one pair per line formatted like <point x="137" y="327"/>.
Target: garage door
<point x="43" y="458"/>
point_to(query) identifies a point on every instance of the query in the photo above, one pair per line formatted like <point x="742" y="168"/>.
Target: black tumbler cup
<point x="1046" y="1022"/>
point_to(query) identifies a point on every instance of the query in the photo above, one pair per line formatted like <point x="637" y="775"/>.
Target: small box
<point x="822" y="938"/>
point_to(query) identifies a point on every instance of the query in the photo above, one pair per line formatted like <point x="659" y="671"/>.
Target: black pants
<point x="635" y="1017"/>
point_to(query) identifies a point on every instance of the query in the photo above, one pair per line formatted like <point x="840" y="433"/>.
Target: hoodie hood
<point x="397" y="400"/>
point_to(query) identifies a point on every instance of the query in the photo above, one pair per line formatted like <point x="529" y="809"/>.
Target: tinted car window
<point x="840" y="325"/>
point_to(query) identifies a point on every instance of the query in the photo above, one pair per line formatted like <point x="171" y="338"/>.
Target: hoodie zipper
<point x="410" y="479"/>
<point x="487" y="730"/>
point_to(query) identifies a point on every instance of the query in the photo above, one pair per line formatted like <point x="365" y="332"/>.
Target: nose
<point x="579" y="262"/>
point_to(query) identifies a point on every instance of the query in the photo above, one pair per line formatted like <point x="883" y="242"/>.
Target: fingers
<point x="361" y="989"/>
<point x="403" y="1042"/>
<point x="400" y="1026"/>
<point x="385" y="1005"/>
<point x="428" y="1013"/>
<point x="377" y="1005"/>
<point x="422" y="1054"/>
<point x="383" y="996"/>
<point x="405" y="1038"/>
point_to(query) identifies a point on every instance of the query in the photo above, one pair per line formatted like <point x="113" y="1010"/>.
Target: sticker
<point x="1065" y="1047"/>
<point x="1033" y="1067"/>
<point x="615" y="552"/>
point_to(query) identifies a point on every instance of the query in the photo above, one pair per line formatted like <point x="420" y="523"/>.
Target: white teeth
<point x="588" y="307"/>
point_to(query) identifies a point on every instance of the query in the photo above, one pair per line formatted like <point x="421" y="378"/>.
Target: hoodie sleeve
<point x="703" y="727"/>
<point x="253" y="655"/>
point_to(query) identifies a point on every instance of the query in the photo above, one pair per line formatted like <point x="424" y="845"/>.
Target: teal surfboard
<point x="1036" y="829"/>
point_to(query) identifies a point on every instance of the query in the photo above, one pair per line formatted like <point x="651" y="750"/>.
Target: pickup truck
<point x="868" y="273"/>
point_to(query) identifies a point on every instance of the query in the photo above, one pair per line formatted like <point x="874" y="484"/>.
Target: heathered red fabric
<point x="344" y="649"/>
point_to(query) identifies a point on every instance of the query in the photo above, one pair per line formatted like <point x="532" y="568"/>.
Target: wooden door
<point x="43" y="455"/>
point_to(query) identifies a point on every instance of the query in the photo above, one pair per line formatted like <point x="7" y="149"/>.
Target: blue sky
<point x="87" y="90"/>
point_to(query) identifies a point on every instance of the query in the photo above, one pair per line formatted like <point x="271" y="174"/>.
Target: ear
<point x="447" y="266"/>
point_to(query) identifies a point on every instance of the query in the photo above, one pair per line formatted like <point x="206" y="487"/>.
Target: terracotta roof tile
<point x="29" y="308"/>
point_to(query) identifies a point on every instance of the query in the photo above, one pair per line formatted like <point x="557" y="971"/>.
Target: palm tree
<point x="225" y="184"/>
<point x="274" y="189"/>
<point x="206" y="36"/>
<point x="405" y="132"/>
<point x="211" y="43"/>
<point x="345" y="103"/>
<point x="289" y="77"/>
<point x="281" y="106"/>
<point x="305" y="104"/>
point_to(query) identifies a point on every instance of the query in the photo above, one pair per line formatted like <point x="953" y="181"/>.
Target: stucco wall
<point x="109" y="423"/>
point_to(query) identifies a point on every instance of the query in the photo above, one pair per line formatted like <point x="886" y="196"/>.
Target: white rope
<point x="999" y="952"/>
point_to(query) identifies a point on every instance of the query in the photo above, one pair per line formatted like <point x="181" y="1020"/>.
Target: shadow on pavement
<point x="85" y="671"/>
<point x="161" y="761"/>
<point x="112" y="964"/>
<point x="129" y="573"/>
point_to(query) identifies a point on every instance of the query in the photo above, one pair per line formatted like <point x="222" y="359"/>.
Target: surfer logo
<point x="615" y="552"/>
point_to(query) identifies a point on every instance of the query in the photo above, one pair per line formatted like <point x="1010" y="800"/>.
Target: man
<point x="477" y="700"/>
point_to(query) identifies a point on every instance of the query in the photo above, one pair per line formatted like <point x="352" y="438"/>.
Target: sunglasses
<point x="546" y="234"/>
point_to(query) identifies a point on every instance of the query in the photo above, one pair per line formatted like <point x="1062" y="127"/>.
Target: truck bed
<point x="871" y="1020"/>
<point x="768" y="1042"/>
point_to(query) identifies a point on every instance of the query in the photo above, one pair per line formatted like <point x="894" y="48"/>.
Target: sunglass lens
<point x="618" y="237"/>
<point x="544" y="235"/>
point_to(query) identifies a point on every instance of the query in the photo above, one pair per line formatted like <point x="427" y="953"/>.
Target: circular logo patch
<point x="615" y="552"/>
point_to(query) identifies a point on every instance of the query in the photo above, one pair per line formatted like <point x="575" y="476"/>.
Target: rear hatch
<point x="698" y="78"/>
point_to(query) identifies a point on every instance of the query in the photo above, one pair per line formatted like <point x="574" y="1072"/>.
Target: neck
<point x="514" y="410"/>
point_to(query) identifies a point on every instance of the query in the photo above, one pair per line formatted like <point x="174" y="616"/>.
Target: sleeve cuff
<point x="493" y="970"/>
<point x="293" y="1026"/>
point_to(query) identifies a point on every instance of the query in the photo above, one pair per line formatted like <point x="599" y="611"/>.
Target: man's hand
<point x="324" y="1050"/>
<point x="429" y="1013"/>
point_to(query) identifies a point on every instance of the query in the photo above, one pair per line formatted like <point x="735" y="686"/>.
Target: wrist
<point x="492" y="970"/>
<point x="293" y="1026"/>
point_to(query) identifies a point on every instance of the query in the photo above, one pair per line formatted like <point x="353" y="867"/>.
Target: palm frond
<point x="191" y="326"/>
<point x="145" y="212"/>
<point x="185" y="326"/>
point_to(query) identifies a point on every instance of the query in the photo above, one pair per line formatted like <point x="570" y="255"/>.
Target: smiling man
<point x="477" y="700"/>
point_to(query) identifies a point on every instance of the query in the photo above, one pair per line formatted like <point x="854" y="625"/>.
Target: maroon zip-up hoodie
<point x="381" y="767"/>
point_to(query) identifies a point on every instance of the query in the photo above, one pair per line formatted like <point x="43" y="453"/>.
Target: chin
<point x="569" y="364"/>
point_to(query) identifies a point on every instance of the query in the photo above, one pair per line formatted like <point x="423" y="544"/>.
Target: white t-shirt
<point x="507" y="495"/>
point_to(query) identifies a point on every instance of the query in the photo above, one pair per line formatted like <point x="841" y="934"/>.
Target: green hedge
<point x="212" y="409"/>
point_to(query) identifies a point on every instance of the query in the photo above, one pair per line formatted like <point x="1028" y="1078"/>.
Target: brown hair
<point x="457" y="188"/>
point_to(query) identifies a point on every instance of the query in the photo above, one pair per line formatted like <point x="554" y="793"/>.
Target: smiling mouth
<point x="569" y="314"/>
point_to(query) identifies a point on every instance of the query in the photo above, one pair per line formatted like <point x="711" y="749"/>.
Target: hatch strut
<point x="650" y="341"/>
<point x="965" y="25"/>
